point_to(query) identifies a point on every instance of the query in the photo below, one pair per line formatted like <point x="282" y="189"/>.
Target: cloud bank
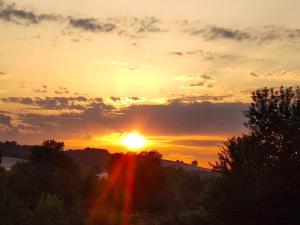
<point x="96" y="117"/>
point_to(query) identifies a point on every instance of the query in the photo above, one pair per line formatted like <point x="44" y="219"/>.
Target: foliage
<point x="260" y="184"/>
<point x="49" y="211"/>
<point x="52" y="189"/>
<point x="194" y="163"/>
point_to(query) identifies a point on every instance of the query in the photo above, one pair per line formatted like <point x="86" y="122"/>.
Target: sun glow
<point x="134" y="141"/>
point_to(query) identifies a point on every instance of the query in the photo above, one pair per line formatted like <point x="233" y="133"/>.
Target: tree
<point x="49" y="211"/>
<point x="151" y="156"/>
<point x="273" y="139"/>
<point x="194" y="163"/>
<point x="56" y="172"/>
<point x="260" y="182"/>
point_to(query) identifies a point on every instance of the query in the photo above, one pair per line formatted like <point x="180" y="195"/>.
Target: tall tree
<point x="260" y="183"/>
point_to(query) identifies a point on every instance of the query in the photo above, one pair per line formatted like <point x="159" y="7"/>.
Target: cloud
<point x="134" y="98"/>
<point x="211" y="33"/>
<point x="200" y="143"/>
<point x="200" y="98"/>
<point x="96" y="117"/>
<point x="21" y="16"/>
<point x="93" y="118"/>
<point x="179" y="118"/>
<point x="254" y="74"/>
<point x="62" y="91"/>
<point x="203" y="80"/>
<point x="115" y="99"/>
<point x="148" y="24"/>
<point x="199" y="84"/>
<point x="207" y="55"/>
<point x="206" y="77"/>
<point x="136" y="28"/>
<point x="260" y="35"/>
<point x="5" y="120"/>
<point x="7" y="129"/>
<point x="2" y="3"/>
<point x="2" y="74"/>
<point x="42" y="90"/>
<point x="277" y="33"/>
<point x="91" y="24"/>
<point x="50" y="103"/>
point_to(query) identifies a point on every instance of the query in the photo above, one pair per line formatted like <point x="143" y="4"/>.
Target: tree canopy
<point x="260" y="182"/>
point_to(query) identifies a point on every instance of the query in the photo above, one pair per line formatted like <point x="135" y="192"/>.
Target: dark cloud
<point x="260" y="35"/>
<point x="7" y="129"/>
<point x="25" y="101"/>
<point x="206" y="77"/>
<point x="254" y="74"/>
<point x="91" y="24"/>
<point x="50" y="103"/>
<point x="10" y="13"/>
<point x="135" y="28"/>
<point x="179" y="118"/>
<point x="130" y="27"/>
<point x="178" y="53"/>
<point x="5" y="120"/>
<point x="200" y="98"/>
<point x="94" y="117"/>
<point x="207" y="56"/>
<point x="203" y="82"/>
<point x="198" y="84"/>
<point x="148" y="24"/>
<point x="134" y="98"/>
<point x="201" y="143"/>
<point x="115" y="99"/>
<point x="2" y="74"/>
<point x="62" y="91"/>
<point x="42" y="90"/>
<point x="216" y="33"/>
<point x="175" y="118"/>
<point x="278" y="33"/>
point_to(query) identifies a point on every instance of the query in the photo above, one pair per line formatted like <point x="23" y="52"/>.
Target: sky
<point x="178" y="72"/>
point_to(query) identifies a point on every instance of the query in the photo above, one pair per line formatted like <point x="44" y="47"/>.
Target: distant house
<point x="102" y="176"/>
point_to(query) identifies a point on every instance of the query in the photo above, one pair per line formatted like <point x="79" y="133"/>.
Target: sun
<point x="134" y="141"/>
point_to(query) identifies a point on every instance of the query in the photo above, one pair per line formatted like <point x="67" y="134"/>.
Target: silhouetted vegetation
<point x="260" y="171"/>
<point x="256" y="179"/>
<point x="50" y="188"/>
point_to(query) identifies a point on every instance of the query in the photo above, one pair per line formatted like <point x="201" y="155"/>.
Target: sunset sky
<point x="178" y="72"/>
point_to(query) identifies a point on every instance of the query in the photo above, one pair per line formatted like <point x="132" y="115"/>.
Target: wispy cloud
<point x="2" y="74"/>
<point x="50" y="103"/>
<point x="91" y="24"/>
<point x="62" y="91"/>
<point x="207" y="55"/>
<point x="211" y="33"/>
<point x="5" y="120"/>
<point x="203" y="80"/>
<point x="201" y="143"/>
<point x="259" y="35"/>
<point x="42" y="90"/>
<point x="10" y="13"/>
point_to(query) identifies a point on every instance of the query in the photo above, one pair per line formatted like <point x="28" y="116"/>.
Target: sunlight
<point x="134" y="141"/>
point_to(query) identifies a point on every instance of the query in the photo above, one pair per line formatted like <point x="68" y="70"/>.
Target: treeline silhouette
<point x="256" y="180"/>
<point x="51" y="188"/>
